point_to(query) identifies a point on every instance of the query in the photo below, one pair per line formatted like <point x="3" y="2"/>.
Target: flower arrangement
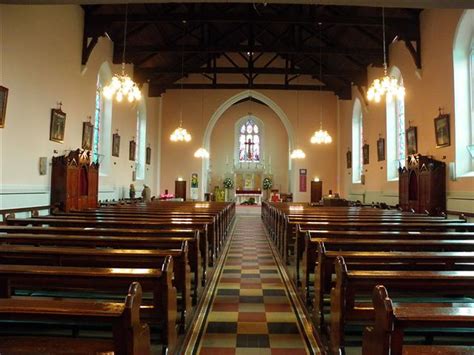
<point x="228" y="183"/>
<point x="267" y="183"/>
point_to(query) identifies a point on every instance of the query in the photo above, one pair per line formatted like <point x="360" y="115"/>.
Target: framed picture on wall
<point x="365" y="154"/>
<point x="115" y="145"/>
<point x="132" y="147"/>
<point x="58" y="125"/>
<point x="349" y="159"/>
<point x="412" y="147"/>
<point x="381" y="149"/>
<point x="87" y="135"/>
<point x="442" y="132"/>
<point x="148" y="155"/>
<point x="3" y="105"/>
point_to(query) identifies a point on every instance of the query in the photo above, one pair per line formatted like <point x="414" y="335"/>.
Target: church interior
<point x="247" y="177"/>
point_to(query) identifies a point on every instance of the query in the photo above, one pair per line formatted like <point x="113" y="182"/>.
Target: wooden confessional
<point x="74" y="181"/>
<point x="422" y="185"/>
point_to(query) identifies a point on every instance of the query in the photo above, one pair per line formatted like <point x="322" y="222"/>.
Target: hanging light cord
<point x="182" y="75"/>
<point x="125" y="38"/>
<point x="384" y="47"/>
<point x="320" y="78"/>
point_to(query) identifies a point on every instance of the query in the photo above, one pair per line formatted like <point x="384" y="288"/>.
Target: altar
<point x="245" y="195"/>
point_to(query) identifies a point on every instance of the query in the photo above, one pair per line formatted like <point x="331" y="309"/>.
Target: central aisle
<point x="251" y="311"/>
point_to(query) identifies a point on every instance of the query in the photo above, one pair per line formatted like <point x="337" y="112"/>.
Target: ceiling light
<point x="321" y="136"/>
<point x="180" y="134"/>
<point x="388" y="85"/>
<point x="297" y="154"/>
<point x="201" y="153"/>
<point x="122" y="86"/>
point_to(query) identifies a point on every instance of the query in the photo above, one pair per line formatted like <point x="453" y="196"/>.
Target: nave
<point x="252" y="308"/>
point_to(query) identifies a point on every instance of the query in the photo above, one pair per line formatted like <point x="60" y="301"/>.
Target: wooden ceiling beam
<point x="304" y="50"/>
<point x="283" y="18"/>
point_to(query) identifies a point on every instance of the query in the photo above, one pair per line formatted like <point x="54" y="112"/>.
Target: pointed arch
<point x="223" y="108"/>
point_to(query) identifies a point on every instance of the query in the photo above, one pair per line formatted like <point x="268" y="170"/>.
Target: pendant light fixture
<point x="321" y="136"/>
<point x="297" y="153"/>
<point x="122" y="85"/>
<point x="388" y="85"/>
<point x="202" y="152"/>
<point x="180" y="134"/>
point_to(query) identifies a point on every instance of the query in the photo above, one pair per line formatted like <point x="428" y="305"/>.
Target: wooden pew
<point x="378" y="258"/>
<point x="130" y="336"/>
<point x="111" y="258"/>
<point x="385" y="337"/>
<point x="352" y="284"/>
<point x="121" y="224"/>
<point x="215" y="236"/>
<point x="297" y="236"/>
<point x="306" y="249"/>
<point x="162" y="310"/>
<point x="120" y="238"/>
<point x="118" y="242"/>
<point x="350" y="240"/>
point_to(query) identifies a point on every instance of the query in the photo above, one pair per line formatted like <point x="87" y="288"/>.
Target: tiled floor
<point x="251" y="312"/>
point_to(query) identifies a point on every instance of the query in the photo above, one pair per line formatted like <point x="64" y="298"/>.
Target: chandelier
<point x="180" y="134"/>
<point x="321" y="136"/>
<point x="297" y="154"/>
<point x="201" y="153"/>
<point x="388" y="85"/>
<point x="121" y="85"/>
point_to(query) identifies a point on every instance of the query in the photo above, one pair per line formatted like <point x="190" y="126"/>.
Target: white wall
<point x="40" y="64"/>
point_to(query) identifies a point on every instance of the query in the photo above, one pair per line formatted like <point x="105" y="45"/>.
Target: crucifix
<point x="249" y="145"/>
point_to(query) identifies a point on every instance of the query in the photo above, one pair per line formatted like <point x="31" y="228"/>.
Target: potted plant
<point x="228" y="184"/>
<point x="267" y="185"/>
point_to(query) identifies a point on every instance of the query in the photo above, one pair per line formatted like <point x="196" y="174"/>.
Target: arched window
<point x="357" y="142"/>
<point x="102" y="146"/>
<point x="395" y="130"/>
<point x="99" y="103"/>
<point x="140" y="156"/>
<point x="249" y="148"/>
<point x="463" y="61"/>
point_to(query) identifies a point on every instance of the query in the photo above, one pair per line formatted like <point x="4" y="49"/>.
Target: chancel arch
<point x="207" y="165"/>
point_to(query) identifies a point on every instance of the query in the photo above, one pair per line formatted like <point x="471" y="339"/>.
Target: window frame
<point x="357" y="142"/>
<point x="237" y="135"/>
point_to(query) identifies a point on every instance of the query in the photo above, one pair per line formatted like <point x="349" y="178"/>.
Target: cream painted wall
<point x="177" y="158"/>
<point x="40" y="57"/>
<point x="427" y="90"/>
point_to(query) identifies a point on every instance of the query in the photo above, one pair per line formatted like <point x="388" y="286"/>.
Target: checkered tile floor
<point x="251" y="312"/>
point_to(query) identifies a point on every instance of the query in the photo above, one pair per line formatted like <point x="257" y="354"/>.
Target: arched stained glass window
<point x="249" y="141"/>
<point x="463" y="61"/>
<point x="99" y="104"/>
<point x="357" y="142"/>
<point x="395" y="109"/>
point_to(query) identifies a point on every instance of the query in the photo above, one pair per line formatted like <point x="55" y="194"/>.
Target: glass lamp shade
<point x="297" y="154"/>
<point x="122" y="87"/>
<point x="321" y="137"/>
<point x="201" y="153"/>
<point x="180" y="134"/>
<point x="386" y="86"/>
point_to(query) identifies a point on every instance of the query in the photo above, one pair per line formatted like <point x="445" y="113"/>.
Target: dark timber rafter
<point x="250" y="40"/>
